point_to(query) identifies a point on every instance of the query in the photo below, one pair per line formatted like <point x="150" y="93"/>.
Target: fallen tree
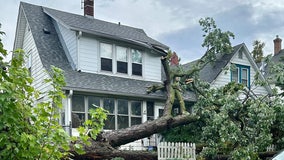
<point x="109" y="140"/>
<point x="31" y="132"/>
<point x="176" y="78"/>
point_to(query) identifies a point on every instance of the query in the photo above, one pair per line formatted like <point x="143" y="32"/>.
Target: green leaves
<point x="257" y="52"/>
<point x="236" y="123"/>
<point x="30" y="129"/>
<point x="215" y="40"/>
<point x="93" y="126"/>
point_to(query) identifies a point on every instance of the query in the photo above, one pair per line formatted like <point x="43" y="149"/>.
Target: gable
<point x="218" y="73"/>
<point x="241" y="58"/>
<point x="224" y="77"/>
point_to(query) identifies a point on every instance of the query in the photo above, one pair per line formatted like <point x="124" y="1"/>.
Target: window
<point x="93" y="102"/>
<point x="80" y="108"/>
<point x="161" y="112"/>
<point x="244" y="76"/>
<point x="241" y="74"/>
<point x="78" y="111"/>
<point x="235" y="75"/>
<point x="136" y="108"/>
<point x="118" y="59"/>
<point x="108" y="105"/>
<point x="150" y="110"/>
<point x="136" y="62"/>
<point x="106" y="56"/>
<point x="122" y="113"/>
<point x="122" y="59"/>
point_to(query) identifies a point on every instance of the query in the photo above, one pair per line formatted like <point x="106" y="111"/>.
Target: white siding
<point x="88" y="54"/>
<point x="69" y="42"/>
<point x="152" y="67"/>
<point x="89" y="61"/>
<point x="225" y="76"/>
<point x="37" y="71"/>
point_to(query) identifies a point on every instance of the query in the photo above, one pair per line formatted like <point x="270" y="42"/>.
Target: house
<point x="221" y="72"/>
<point x="106" y="64"/>
<point x="277" y="58"/>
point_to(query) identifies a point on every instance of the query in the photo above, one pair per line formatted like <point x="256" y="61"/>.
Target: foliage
<point x="91" y="128"/>
<point x="216" y="41"/>
<point x="276" y="77"/>
<point x="188" y="133"/>
<point x="30" y="129"/>
<point x="257" y="52"/>
<point x="233" y="120"/>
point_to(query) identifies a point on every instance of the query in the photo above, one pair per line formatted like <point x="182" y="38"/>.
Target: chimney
<point x="174" y="61"/>
<point x="89" y="8"/>
<point x="277" y="44"/>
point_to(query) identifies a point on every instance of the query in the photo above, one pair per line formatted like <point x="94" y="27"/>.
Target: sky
<point x="175" y="23"/>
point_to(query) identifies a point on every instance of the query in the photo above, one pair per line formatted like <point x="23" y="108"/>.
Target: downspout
<point x="78" y="53"/>
<point x="68" y="111"/>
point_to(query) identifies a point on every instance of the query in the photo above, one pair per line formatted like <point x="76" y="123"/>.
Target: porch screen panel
<point x="78" y="111"/>
<point x="136" y="114"/>
<point x="108" y="104"/>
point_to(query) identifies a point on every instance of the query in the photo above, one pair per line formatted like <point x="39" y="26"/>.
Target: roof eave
<point x="105" y="35"/>
<point x="254" y="65"/>
<point x="113" y="93"/>
<point x="18" y="41"/>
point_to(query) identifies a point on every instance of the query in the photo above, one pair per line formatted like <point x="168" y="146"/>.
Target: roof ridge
<point x="95" y="19"/>
<point x="82" y="16"/>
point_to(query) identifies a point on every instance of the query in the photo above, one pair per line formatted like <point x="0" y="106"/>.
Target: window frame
<point x="133" y="63"/>
<point x="115" y="114"/>
<point x="118" y="61"/>
<point x="130" y="67"/>
<point x="77" y="112"/>
<point x="150" y="114"/>
<point x="240" y="69"/>
<point x="106" y="58"/>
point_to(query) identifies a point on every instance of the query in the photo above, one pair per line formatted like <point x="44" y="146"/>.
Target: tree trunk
<point x="104" y="146"/>
<point x="124" y="136"/>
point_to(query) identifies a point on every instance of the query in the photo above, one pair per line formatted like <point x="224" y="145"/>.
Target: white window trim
<point x="114" y="62"/>
<point x="240" y="67"/>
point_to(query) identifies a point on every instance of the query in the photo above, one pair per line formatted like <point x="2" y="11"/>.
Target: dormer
<point x="101" y="47"/>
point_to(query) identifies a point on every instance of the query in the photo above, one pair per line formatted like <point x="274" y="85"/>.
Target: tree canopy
<point x="228" y="120"/>
<point x="257" y="52"/>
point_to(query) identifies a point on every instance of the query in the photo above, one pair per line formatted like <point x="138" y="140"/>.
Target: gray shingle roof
<point x="51" y="53"/>
<point x="212" y="70"/>
<point x="277" y="58"/>
<point x="99" y="27"/>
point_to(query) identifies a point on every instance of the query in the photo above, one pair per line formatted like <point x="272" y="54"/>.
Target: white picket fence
<point x="271" y="147"/>
<point x="176" y="151"/>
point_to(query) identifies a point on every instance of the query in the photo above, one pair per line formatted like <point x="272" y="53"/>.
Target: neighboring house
<point x="277" y="58"/>
<point x="221" y="72"/>
<point x="106" y="64"/>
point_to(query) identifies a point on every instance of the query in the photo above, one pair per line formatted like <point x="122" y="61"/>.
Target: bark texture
<point x="124" y="136"/>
